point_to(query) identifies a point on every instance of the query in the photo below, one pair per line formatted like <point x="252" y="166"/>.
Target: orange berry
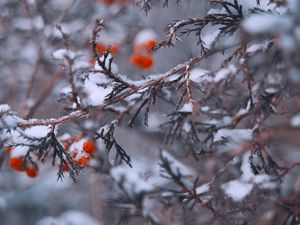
<point x="101" y="48"/>
<point x="83" y="161"/>
<point x="135" y="59"/>
<point x="32" y="171"/>
<point x="146" y="62"/>
<point x="16" y="163"/>
<point x="150" y="44"/>
<point x="73" y="155"/>
<point x="89" y="147"/>
<point x="141" y="61"/>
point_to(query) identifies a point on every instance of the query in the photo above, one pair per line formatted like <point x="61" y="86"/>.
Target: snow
<point x="187" y="126"/>
<point x="77" y="147"/>
<point x="28" y="24"/>
<point x="186" y="108"/>
<point x="4" y="108"/>
<point x="8" y="119"/>
<point x="132" y="180"/>
<point x="61" y="54"/>
<point x="225" y="72"/>
<point x="202" y="189"/>
<point x="80" y="64"/>
<point x="72" y="27"/>
<point x="114" y="67"/>
<point x="210" y="37"/>
<point x="205" y="108"/>
<point x="295" y="121"/>
<point x="199" y="75"/>
<point x="175" y="76"/>
<point x="114" y="35"/>
<point x="258" y="47"/>
<point x="233" y="135"/>
<point x="237" y="189"/>
<point x="37" y="131"/>
<point x="216" y="11"/>
<point x="267" y="23"/>
<point x="96" y="94"/>
<point x="243" y="111"/>
<point x="66" y="90"/>
<point x="19" y="151"/>
<point x="176" y="166"/>
<point x="145" y="35"/>
<point x="265" y="5"/>
<point x="71" y="217"/>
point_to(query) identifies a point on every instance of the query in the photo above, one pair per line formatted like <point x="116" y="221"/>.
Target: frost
<point x="224" y="72"/>
<point x="295" y="121"/>
<point x="186" y="108"/>
<point x="267" y="23"/>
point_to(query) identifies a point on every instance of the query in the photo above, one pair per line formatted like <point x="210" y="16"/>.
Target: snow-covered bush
<point x="160" y="112"/>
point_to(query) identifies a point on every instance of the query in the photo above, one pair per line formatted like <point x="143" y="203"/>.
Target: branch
<point x="53" y="121"/>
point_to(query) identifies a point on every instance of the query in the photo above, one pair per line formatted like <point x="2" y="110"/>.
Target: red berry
<point x="16" y="163"/>
<point x="32" y="171"/>
<point x="83" y="161"/>
<point x="89" y="147"/>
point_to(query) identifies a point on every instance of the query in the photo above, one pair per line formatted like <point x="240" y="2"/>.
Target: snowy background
<point x="241" y="166"/>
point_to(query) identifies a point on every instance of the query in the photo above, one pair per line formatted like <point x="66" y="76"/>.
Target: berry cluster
<point x="18" y="163"/>
<point x="142" y="50"/>
<point x="81" y="152"/>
